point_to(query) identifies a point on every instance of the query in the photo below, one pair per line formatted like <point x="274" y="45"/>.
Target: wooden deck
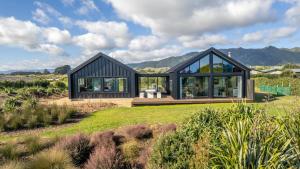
<point x="168" y="100"/>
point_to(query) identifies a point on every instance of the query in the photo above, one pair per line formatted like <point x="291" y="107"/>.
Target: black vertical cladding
<point x="101" y="65"/>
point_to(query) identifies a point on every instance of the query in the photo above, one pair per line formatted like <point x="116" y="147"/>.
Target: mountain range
<point x="268" y="56"/>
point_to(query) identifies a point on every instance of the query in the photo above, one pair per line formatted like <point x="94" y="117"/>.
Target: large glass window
<point x="230" y="86"/>
<point x="199" y="66"/>
<point x="143" y="81"/>
<point x="97" y="84"/>
<point x="162" y="84"/>
<point x="89" y="84"/>
<point x="204" y="65"/>
<point x="194" y="68"/>
<point x="217" y="64"/>
<point x="193" y="87"/>
<point x="109" y="85"/>
<point x="156" y="83"/>
<point x="222" y="66"/>
<point x="121" y="84"/>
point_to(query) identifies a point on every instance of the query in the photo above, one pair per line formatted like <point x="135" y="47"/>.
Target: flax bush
<point x="243" y="136"/>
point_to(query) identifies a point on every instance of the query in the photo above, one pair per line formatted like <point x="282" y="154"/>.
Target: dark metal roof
<point x="182" y="65"/>
<point x="100" y="54"/>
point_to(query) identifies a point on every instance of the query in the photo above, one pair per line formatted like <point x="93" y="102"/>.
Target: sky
<point x="38" y="34"/>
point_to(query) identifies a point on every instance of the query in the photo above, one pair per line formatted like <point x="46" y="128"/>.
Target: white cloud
<point x="68" y="2"/>
<point x="57" y="36"/>
<point x="270" y="35"/>
<point x="177" y="17"/>
<point x="203" y="41"/>
<point x="40" y="16"/>
<point x="30" y="37"/>
<point x="47" y="8"/>
<point x="92" y="42"/>
<point x="51" y="49"/>
<point x="87" y="6"/>
<point x="293" y="14"/>
<point x="66" y="21"/>
<point x="253" y="37"/>
<point x="131" y="56"/>
<point x="116" y="33"/>
<point x="146" y="42"/>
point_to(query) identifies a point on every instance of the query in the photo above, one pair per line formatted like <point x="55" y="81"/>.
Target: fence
<point x="276" y="90"/>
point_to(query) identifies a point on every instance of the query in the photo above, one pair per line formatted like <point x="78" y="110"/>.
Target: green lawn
<point x="117" y="117"/>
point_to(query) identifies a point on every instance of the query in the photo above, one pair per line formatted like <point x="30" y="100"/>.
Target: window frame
<point x="102" y="84"/>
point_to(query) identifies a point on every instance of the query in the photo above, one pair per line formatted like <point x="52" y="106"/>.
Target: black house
<point x="210" y="74"/>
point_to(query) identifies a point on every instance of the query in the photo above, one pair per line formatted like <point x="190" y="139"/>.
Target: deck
<point x="168" y="100"/>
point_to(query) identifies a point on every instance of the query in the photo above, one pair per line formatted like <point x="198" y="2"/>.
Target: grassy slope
<point x="117" y="117"/>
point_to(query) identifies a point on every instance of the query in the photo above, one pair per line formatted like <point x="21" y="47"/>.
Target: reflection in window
<point x="121" y="84"/>
<point x="222" y="66"/>
<point x="89" y="84"/>
<point x="109" y="84"/>
<point x="228" y="86"/>
<point x="217" y="64"/>
<point x="152" y="83"/>
<point x="186" y="70"/>
<point x="143" y="81"/>
<point x="199" y="66"/>
<point x="194" y="87"/>
<point x="204" y="65"/>
<point x="156" y="83"/>
<point x="94" y="84"/>
<point x="194" y="68"/>
<point x="162" y="84"/>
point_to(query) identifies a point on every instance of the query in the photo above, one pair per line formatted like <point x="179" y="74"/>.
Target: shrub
<point x="139" y="132"/>
<point x="171" y="151"/>
<point x="201" y="158"/>
<point x="52" y="158"/>
<point x="131" y="151"/>
<point x="8" y="152"/>
<point x="60" y="85"/>
<point x="102" y="139"/>
<point x="78" y="147"/>
<point x="13" y="165"/>
<point x="11" y="103"/>
<point x="167" y="128"/>
<point x="105" y="158"/>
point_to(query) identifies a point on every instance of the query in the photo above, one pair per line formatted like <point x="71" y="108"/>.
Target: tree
<point x="46" y="71"/>
<point x="62" y="69"/>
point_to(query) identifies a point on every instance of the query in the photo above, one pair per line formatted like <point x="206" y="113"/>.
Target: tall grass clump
<point x="52" y="159"/>
<point x="243" y="136"/>
<point x="252" y="144"/>
<point x="8" y="152"/>
<point x="13" y="165"/>
<point x="33" y="115"/>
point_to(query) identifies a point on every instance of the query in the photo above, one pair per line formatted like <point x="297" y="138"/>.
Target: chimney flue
<point x="229" y="54"/>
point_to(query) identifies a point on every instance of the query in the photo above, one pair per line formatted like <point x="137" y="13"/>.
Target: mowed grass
<point x="118" y="117"/>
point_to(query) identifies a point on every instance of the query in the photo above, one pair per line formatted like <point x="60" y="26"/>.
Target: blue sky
<point x="49" y="33"/>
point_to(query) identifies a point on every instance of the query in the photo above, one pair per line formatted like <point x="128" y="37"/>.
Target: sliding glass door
<point x="227" y="86"/>
<point x="194" y="87"/>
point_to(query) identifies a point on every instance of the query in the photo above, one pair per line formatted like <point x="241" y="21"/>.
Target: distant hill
<point x="268" y="56"/>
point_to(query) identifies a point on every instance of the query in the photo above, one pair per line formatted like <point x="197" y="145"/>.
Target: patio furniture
<point x="158" y="95"/>
<point x="150" y="93"/>
<point x="142" y="94"/>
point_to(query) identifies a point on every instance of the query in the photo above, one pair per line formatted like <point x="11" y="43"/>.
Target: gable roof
<point x="182" y="65"/>
<point x="99" y="55"/>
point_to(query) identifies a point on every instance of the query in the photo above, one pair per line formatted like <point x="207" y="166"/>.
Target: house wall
<point x="175" y="76"/>
<point x="102" y="67"/>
